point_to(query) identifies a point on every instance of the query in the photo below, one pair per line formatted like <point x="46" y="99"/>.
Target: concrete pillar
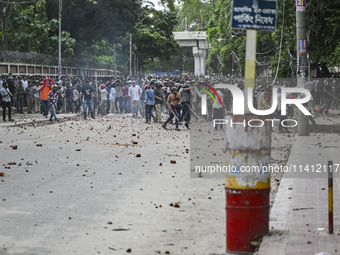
<point x="196" y="54"/>
<point x="202" y="54"/>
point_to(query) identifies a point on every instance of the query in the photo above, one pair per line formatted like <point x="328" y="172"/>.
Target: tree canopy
<point x="227" y="47"/>
<point x="90" y="29"/>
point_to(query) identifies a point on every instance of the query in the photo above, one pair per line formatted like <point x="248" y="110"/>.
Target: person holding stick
<point x="175" y="99"/>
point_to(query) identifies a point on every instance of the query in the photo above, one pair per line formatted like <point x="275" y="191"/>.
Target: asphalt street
<point x="80" y="187"/>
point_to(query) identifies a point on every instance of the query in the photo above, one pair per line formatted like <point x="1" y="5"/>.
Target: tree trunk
<point x="6" y="11"/>
<point x="4" y="35"/>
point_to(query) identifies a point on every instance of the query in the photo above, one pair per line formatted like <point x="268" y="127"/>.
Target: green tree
<point x="190" y="13"/>
<point x="6" y="12"/>
<point x="154" y="38"/>
<point x="323" y="24"/>
<point x="98" y="25"/>
<point x="30" y="30"/>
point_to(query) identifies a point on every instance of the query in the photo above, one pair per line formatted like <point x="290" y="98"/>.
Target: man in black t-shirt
<point x="87" y="93"/>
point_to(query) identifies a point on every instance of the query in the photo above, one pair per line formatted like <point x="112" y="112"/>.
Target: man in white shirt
<point x="36" y="98"/>
<point x="1" y="82"/>
<point x="112" y="99"/>
<point x="24" y="82"/>
<point x="25" y="85"/>
<point x="76" y="99"/>
<point x="135" y="92"/>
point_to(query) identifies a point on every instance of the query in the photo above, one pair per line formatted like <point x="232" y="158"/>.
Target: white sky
<point x="156" y="3"/>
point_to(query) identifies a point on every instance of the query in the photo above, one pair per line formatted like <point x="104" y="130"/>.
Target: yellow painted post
<point x="250" y="69"/>
<point x="247" y="193"/>
<point x="330" y="198"/>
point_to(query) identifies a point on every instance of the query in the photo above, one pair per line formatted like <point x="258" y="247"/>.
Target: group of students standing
<point x="19" y="92"/>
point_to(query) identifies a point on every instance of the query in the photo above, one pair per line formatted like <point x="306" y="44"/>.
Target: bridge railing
<point x="52" y="71"/>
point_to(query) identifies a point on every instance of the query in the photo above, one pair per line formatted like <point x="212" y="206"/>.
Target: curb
<point x="34" y="122"/>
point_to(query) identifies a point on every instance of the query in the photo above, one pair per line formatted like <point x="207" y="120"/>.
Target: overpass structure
<point x="198" y="41"/>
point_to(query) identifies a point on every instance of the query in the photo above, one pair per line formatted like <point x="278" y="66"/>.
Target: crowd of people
<point x="148" y="96"/>
<point x="144" y="95"/>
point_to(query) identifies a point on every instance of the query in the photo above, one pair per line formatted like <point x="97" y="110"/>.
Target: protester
<point x="19" y="95"/>
<point x="119" y="97"/>
<point x="158" y="101"/>
<point x="29" y="92"/>
<point x="112" y="99"/>
<point x="6" y="96"/>
<point x="76" y="100"/>
<point x="218" y="109"/>
<point x="264" y="100"/>
<point x="185" y="103"/>
<point x="135" y="93"/>
<point x="53" y="98"/>
<point x="44" y="90"/>
<point x="69" y="98"/>
<point x="103" y="101"/>
<point x="173" y="103"/>
<point x="87" y="94"/>
<point x="327" y="98"/>
<point x="36" y="98"/>
<point x="11" y="87"/>
<point x="1" y="86"/>
<point x="149" y="102"/>
<point x="108" y="89"/>
<point x="126" y="99"/>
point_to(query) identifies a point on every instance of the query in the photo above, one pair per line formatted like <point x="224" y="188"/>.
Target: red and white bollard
<point x="247" y="192"/>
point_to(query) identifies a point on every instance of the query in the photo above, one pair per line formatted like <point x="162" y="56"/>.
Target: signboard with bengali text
<point x="252" y="14"/>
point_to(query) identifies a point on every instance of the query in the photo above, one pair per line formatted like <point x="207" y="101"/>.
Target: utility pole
<point x="150" y="15"/>
<point x="114" y="59"/>
<point x="59" y="43"/>
<point x="302" y="64"/>
<point x="130" y="55"/>
<point x="135" y="62"/>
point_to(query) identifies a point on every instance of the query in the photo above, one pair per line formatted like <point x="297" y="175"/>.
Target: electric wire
<point x="283" y="21"/>
<point x="263" y="53"/>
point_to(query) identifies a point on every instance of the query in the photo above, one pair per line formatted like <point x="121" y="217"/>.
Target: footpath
<point x="299" y="216"/>
<point x="35" y="119"/>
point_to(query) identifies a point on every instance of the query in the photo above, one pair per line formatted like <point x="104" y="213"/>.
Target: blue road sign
<point x="254" y="14"/>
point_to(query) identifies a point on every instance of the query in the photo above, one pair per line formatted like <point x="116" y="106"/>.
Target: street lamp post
<point x="59" y="43"/>
<point x="114" y="59"/>
<point x="130" y="55"/>
<point x="149" y="15"/>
